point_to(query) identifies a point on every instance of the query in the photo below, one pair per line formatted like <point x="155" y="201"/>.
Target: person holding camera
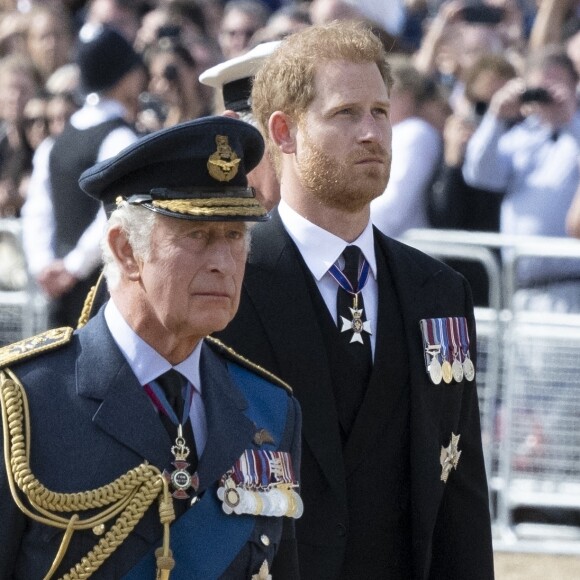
<point x="452" y="204"/>
<point x="173" y="82"/>
<point x="534" y="165"/>
<point x="460" y="32"/>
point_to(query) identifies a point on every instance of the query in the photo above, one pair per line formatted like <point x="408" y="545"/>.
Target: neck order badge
<point x="352" y="281"/>
<point x="166" y="393"/>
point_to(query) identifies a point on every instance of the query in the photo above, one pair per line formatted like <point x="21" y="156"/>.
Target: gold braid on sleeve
<point x="127" y="498"/>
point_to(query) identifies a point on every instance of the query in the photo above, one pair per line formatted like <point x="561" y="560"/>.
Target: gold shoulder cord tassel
<point x="89" y="301"/>
<point x="128" y="497"/>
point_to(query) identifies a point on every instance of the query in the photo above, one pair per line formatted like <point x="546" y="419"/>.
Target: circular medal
<point x="291" y="502"/>
<point x="231" y="497"/>
<point x="268" y="508"/>
<point x="299" y="506"/>
<point x="457" y="371"/>
<point x="468" y="369"/>
<point x="245" y="502"/>
<point x="259" y="503"/>
<point x="284" y="504"/>
<point x="279" y="501"/>
<point x="250" y="503"/>
<point x="446" y="371"/>
<point x="435" y="371"/>
<point x="181" y="479"/>
<point x="295" y="507"/>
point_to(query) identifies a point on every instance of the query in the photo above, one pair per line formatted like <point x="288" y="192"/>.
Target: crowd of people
<point x="178" y="384"/>
<point x="372" y="118"/>
<point x="457" y="154"/>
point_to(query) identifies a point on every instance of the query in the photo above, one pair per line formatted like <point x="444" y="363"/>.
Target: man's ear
<point x="282" y="132"/>
<point x="123" y="253"/>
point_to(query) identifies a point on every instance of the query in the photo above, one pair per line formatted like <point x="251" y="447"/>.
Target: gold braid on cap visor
<point x="224" y="206"/>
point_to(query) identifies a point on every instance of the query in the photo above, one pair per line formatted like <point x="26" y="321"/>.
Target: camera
<point x="536" y="95"/>
<point x="153" y="104"/>
<point x="482" y="14"/>
<point x="169" y="31"/>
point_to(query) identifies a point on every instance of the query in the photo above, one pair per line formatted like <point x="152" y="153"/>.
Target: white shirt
<point x="417" y="152"/>
<point x="37" y="214"/>
<point x="147" y="365"/>
<point x="538" y="177"/>
<point x="389" y="14"/>
<point x="320" y="250"/>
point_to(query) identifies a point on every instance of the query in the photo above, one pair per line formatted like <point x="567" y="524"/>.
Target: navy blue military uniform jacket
<point x="344" y="488"/>
<point x="91" y="422"/>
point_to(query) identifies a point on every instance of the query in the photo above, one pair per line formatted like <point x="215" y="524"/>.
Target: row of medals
<point x="447" y="371"/>
<point x="277" y="501"/>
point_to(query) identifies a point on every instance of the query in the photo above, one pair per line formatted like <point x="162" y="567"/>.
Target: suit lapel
<point x="229" y="431"/>
<point x="275" y="280"/>
<point x="103" y="374"/>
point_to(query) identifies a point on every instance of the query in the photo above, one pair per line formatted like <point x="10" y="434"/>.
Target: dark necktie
<point x="359" y="354"/>
<point x="345" y="301"/>
<point x="172" y="383"/>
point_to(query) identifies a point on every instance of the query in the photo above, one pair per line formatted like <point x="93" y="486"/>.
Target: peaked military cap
<point x="195" y="170"/>
<point x="234" y="76"/>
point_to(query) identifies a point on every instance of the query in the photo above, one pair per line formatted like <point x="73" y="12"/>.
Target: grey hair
<point x="137" y="224"/>
<point x="247" y="116"/>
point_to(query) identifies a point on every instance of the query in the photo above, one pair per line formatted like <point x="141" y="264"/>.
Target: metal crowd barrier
<point x="529" y="392"/>
<point x="22" y="307"/>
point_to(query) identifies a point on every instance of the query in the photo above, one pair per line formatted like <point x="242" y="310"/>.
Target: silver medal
<point x="435" y="371"/>
<point x="468" y="369"/>
<point x="457" y="370"/>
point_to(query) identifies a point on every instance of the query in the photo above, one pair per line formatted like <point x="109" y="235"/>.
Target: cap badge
<point x="449" y="457"/>
<point x="223" y="164"/>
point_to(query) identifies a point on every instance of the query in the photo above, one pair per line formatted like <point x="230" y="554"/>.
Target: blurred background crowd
<point x="484" y="111"/>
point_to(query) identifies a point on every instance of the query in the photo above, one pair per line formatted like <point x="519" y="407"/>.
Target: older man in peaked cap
<point x="136" y="407"/>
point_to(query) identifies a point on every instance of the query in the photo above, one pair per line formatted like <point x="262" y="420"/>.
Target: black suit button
<point x="340" y="530"/>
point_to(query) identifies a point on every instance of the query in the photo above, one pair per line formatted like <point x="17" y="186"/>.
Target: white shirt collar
<point x="319" y="248"/>
<point x="101" y="111"/>
<point x="145" y="362"/>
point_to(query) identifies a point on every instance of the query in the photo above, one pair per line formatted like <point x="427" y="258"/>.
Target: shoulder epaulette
<point x="230" y="353"/>
<point x="35" y="345"/>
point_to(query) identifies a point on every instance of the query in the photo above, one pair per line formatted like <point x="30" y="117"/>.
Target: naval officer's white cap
<point x="234" y="76"/>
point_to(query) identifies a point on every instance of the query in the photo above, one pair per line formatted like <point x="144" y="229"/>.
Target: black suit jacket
<point x="277" y="327"/>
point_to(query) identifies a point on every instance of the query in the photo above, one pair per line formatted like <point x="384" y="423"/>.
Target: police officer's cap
<point x="104" y="57"/>
<point x="195" y="170"/>
<point x="234" y="77"/>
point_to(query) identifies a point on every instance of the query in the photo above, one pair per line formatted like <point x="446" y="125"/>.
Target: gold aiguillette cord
<point x="129" y="496"/>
